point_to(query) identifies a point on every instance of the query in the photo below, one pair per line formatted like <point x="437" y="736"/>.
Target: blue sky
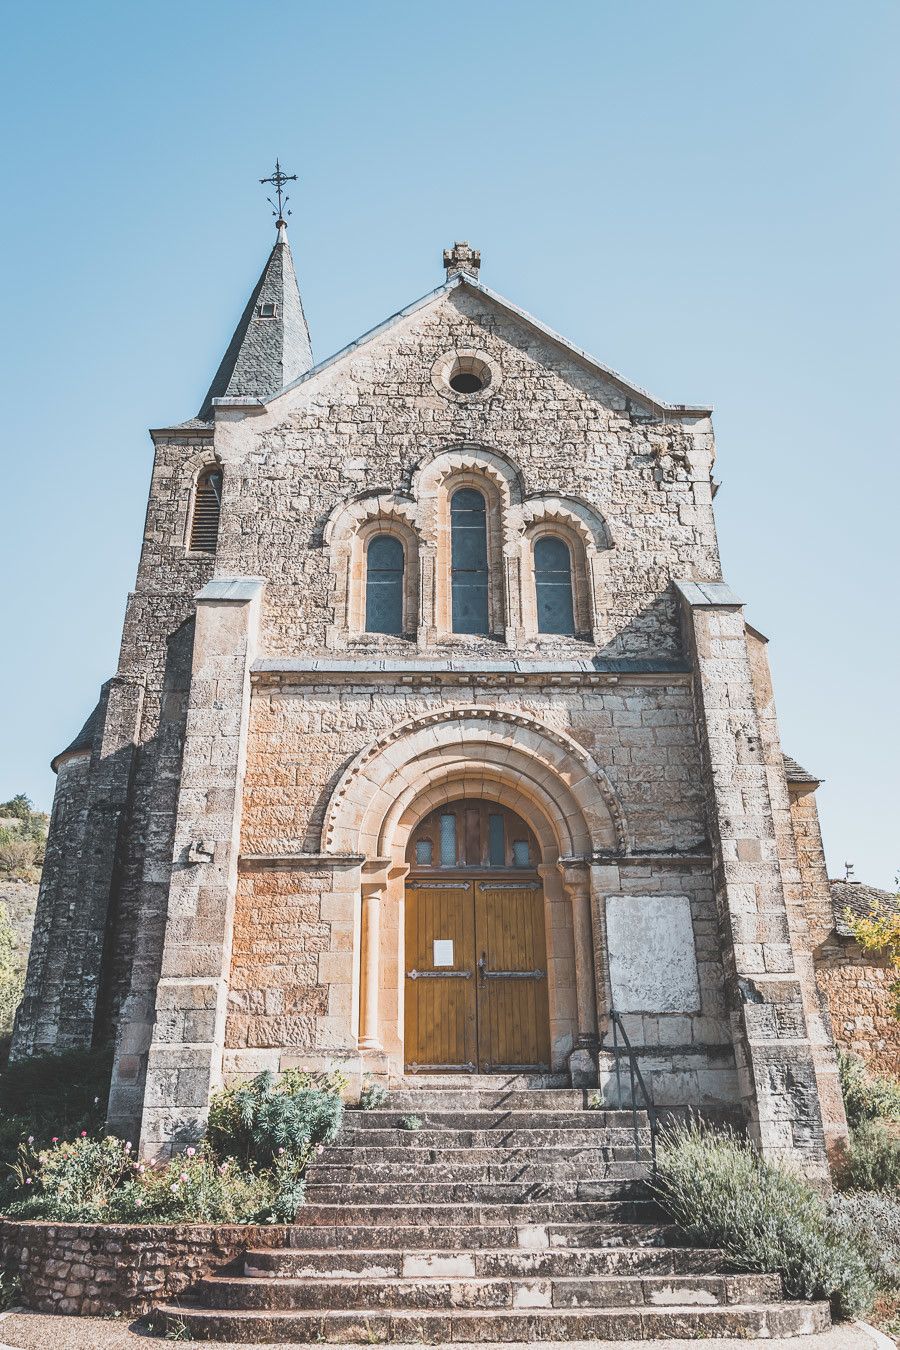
<point x="703" y="194"/>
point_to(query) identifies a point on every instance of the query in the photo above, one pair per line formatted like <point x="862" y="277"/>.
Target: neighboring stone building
<point x="857" y="983"/>
<point x="436" y="734"/>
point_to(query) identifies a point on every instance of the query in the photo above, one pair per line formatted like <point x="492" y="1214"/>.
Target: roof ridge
<point x="475" y="284"/>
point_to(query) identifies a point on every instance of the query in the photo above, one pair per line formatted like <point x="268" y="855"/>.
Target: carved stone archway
<point x="536" y="770"/>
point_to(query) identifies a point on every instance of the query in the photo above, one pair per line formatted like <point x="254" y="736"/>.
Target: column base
<point x="583" y="1067"/>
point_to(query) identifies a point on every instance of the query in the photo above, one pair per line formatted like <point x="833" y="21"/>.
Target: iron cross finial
<point x="278" y="180"/>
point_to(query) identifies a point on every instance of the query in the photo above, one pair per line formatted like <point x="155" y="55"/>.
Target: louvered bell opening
<point x="207" y="506"/>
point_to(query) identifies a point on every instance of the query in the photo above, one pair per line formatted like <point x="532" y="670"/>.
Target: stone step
<point x="512" y="1137"/>
<point x="477" y="1119"/>
<point x="319" y="1213"/>
<point x="742" y="1321"/>
<point x="499" y="1263"/>
<point x="430" y="1292"/>
<point x="412" y="1191"/>
<point x="486" y="1082"/>
<point x="516" y="1233"/>
<point x="421" y="1099"/>
<point x="428" y="1168"/>
<point x="583" y="1155"/>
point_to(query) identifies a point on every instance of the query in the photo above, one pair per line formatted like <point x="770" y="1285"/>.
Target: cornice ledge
<point x="301" y="859"/>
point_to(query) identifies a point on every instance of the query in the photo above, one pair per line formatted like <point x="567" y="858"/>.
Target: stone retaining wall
<point x="93" y="1269"/>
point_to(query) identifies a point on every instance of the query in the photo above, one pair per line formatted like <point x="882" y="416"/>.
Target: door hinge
<point x="439" y="974"/>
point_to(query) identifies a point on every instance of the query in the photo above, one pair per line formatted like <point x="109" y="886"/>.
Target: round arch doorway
<point x="476" y="954"/>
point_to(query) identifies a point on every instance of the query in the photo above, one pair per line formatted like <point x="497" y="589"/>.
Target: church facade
<point x="436" y="738"/>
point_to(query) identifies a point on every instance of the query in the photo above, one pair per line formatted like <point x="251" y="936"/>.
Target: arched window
<point x="553" y="584"/>
<point x="469" y="561"/>
<point x="207" y="508"/>
<point x="384" y="585"/>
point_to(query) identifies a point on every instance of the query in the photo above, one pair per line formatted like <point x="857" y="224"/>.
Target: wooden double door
<point x="476" y="974"/>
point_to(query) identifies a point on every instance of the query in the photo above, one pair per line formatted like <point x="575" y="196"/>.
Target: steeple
<point x="271" y="345"/>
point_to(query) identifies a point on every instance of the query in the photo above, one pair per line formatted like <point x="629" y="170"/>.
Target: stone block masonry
<point x="185" y="1061"/>
<point x="225" y="886"/>
<point x="94" y="1270"/>
<point x="776" y="1064"/>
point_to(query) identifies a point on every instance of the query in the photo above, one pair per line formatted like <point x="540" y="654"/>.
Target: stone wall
<point x="92" y="1270"/>
<point x="856" y="987"/>
<point x="853" y="985"/>
<point x="374" y="421"/>
<point x="379" y="436"/>
<point x="803" y="899"/>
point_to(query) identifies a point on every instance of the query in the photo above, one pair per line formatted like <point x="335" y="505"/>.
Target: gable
<point x="464" y="296"/>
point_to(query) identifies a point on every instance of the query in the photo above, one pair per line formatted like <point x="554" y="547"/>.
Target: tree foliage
<point x="23" y="837"/>
<point x="879" y="931"/>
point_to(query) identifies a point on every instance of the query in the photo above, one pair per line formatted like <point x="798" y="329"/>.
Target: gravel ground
<point x="36" y="1331"/>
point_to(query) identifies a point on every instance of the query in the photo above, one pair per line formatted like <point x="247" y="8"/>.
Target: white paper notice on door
<point x="443" y="952"/>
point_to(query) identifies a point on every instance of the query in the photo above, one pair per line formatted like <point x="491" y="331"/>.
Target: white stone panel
<point x="652" y="963"/>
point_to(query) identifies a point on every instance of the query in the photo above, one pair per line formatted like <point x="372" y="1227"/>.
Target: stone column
<point x="576" y="879"/>
<point x="776" y="1071"/>
<point x="185" y="1059"/>
<point x="373" y="885"/>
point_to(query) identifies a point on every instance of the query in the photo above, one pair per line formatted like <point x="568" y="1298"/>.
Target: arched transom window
<point x="469" y="562"/>
<point x="475" y="835"/>
<point x="384" y="585"/>
<point x="553" y="584"/>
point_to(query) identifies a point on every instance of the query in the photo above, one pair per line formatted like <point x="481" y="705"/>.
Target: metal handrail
<point x="634" y="1070"/>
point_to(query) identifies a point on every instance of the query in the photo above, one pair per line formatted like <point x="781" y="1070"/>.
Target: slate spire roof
<point x="270" y="347"/>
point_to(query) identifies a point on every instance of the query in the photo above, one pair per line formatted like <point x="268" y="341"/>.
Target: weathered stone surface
<point x="652" y="958"/>
<point x="259" y="759"/>
<point x="102" y="1268"/>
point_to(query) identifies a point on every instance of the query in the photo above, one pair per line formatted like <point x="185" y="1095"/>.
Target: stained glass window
<point x="469" y="565"/>
<point x="384" y="585"/>
<point x="423" y="852"/>
<point x="553" y="582"/>
<point x="521" y="855"/>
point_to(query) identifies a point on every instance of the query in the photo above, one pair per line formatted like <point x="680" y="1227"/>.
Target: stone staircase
<point x="512" y="1214"/>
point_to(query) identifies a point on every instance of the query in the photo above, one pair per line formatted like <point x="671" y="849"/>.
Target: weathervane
<point x="278" y="180"/>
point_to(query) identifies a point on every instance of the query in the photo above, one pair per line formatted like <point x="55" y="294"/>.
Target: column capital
<point x="575" y="873"/>
<point x="375" y="873"/>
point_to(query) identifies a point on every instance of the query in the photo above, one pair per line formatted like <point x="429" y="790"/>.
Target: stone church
<point x="437" y="738"/>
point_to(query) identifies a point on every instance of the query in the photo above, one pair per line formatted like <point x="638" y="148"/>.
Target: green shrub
<point x="372" y="1096"/>
<point x="23" y="836"/>
<point x="410" y="1123"/>
<point x="873" y="1160"/>
<point x="100" y="1181"/>
<point x="867" y="1095"/>
<point x="249" y="1170"/>
<point x="872" y="1223"/>
<point x="722" y="1194"/>
<point x="73" y="1180"/>
<point x="267" y="1117"/>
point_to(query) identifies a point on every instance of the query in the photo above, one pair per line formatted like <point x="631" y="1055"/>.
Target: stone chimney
<point x="462" y="258"/>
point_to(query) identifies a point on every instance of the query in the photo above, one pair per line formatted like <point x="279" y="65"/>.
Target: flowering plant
<point x="249" y="1169"/>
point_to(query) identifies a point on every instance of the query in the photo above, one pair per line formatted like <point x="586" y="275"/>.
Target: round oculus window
<point x="466" y="376"/>
<point x="466" y="382"/>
